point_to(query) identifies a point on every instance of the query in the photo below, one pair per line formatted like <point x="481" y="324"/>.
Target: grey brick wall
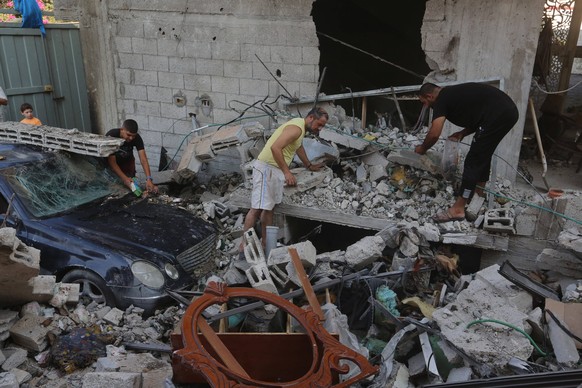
<point x="149" y="52"/>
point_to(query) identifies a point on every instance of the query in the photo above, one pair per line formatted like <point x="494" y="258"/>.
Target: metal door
<point x="47" y="73"/>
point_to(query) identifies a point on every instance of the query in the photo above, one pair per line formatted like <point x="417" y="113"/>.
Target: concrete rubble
<point x="407" y="304"/>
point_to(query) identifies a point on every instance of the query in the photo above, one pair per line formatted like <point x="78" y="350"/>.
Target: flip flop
<point x="445" y="217"/>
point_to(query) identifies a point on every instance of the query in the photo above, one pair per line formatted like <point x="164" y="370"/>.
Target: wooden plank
<point x="221" y="350"/>
<point x="306" y="284"/>
<point x="331" y="216"/>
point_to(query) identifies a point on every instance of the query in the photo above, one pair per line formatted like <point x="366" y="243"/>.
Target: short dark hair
<point x="318" y="113"/>
<point x="25" y="106"/>
<point x="427" y="88"/>
<point x="130" y="125"/>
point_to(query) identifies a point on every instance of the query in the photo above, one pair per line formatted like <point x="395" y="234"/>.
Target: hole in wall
<point x="387" y="29"/>
<point x="278" y="73"/>
<point x="332" y="236"/>
<point x="214" y="38"/>
<point x="221" y="9"/>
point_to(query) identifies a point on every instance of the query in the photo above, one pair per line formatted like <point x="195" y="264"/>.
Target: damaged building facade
<point x="156" y="62"/>
<point x="407" y="301"/>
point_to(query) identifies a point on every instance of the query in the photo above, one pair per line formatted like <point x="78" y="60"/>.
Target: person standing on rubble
<point x="122" y="162"/>
<point x="271" y="169"/>
<point x="479" y="109"/>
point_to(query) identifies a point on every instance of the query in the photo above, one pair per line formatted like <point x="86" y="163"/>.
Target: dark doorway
<point x="387" y="29"/>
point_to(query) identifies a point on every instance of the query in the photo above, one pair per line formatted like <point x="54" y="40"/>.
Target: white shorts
<point x="268" y="182"/>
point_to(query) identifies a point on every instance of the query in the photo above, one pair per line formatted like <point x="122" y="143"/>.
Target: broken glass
<point x="61" y="183"/>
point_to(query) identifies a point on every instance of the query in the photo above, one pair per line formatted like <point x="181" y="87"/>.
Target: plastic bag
<point x="450" y="159"/>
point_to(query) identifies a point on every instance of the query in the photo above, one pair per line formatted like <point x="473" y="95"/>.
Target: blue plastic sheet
<point x="31" y="14"/>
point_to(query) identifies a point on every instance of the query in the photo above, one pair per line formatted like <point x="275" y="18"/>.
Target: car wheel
<point x="92" y="286"/>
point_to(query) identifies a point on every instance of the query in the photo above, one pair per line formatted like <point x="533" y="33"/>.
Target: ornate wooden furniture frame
<point x="327" y="352"/>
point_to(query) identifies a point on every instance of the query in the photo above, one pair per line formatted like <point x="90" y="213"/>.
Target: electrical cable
<point x="540" y="351"/>
<point x="557" y="92"/>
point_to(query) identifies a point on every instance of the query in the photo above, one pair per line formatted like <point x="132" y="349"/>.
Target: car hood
<point x="136" y="225"/>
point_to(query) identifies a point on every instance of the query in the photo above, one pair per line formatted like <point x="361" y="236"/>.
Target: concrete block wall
<point x="145" y="55"/>
<point x="468" y="40"/>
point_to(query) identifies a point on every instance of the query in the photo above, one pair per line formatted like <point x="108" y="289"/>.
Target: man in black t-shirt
<point x="122" y="162"/>
<point x="479" y="109"/>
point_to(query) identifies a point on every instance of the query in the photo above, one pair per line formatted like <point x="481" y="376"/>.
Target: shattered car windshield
<point x="61" y="183"/>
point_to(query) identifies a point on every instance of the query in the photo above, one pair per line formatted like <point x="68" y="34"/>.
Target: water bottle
<point x="135" y="187"/>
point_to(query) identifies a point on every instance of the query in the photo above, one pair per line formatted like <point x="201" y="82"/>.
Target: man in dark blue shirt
<point x="123" y="162"/>
<point x="479" y="109"/>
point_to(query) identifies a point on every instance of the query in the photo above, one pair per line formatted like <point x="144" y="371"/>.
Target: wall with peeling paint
<point x="470" y="40"/>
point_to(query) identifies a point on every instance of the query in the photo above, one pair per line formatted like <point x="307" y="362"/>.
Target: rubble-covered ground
<point x="410" y="291"/>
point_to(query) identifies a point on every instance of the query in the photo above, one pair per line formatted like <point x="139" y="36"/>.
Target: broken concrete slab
<point x="7" y="319"/>
<point x="112" y="380"/>
<point x="8" y="380"/>
<point x="564" y="262"/>
<point x="29" y="333"/>
<point x="22" y="376"/>
<point x="233" y="135"/>
<point x="306" y="251"/>
<point x="307" y="179"/>
<point x="412" y="159"/>
<point x="563" y="345"/>
<point x="364" y="252"/>
<point x="486" y="298"/>
<point x="152" y="370"/>
<point x="114" y="316"/>
<point x="343" y="139"/>
<point x="571" y="239"/>
<point x="14" y="358"/>
<point x="375" y="159"/>
<point x="20" y="281"/>
<point x="71" y="140"/>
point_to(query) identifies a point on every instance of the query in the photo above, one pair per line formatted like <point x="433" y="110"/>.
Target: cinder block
<point x="30" y="333"/>
<point x="240" y="70"/>
<point x="209" y="67"/>
<point x="499" y="220"/>
<point x="260" y="278"/>
<point x="225" y="85"/>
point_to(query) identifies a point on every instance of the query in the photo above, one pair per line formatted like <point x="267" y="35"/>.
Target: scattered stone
<point x="14" y="358"/>
<point x="364" y="252"/>
<point x="112" y="380"/>
<point x="114" y="316"/>
<point x="30" y="333"/>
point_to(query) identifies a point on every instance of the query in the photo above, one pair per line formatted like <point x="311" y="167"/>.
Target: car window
<point x="61" y="183"/>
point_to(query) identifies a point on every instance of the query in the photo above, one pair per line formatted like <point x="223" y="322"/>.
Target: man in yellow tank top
<point x="271" y="169"/>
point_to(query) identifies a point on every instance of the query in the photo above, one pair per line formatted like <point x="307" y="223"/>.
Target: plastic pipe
<point x="539" y="140"/>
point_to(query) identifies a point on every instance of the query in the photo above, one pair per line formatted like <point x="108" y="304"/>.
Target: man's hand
<point x="290" y="179"/>
<point x="457" y="136"/>
<point x="3" y="101"/>
<point x="150" y="187"/>
<point x="419" y="149"/>
<point x="316" y="167"/>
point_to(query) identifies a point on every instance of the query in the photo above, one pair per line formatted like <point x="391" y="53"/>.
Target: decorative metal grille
<point x="559" y="14"/>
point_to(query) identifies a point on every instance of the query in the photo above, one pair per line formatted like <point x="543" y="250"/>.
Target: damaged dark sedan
<point x="121" y="249"/>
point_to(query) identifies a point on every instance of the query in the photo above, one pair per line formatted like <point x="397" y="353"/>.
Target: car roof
<point x="16" y="154"/>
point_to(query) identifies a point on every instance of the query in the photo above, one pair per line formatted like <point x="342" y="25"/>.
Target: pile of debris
<point x="396" y="298"/>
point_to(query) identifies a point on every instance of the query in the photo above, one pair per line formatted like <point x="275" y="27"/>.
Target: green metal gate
<point x="47" y="73"/>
